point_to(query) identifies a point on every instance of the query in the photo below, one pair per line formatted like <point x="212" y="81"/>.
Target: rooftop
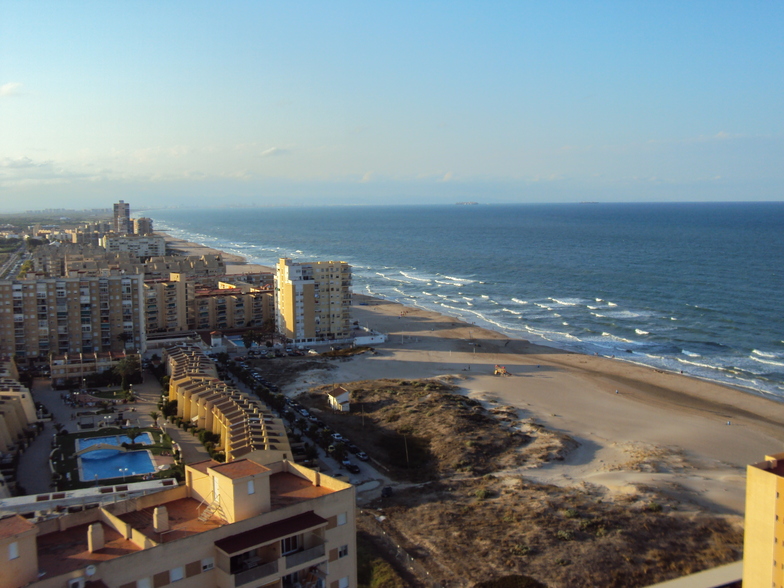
<point x="15" y="525"/>
<point x="183" y="520"/>
<point x="66" y="551"/>
<point x="287" y="489"/>
<point x="239" y="469"/>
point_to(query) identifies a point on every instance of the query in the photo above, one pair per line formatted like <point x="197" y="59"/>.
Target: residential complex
<point x="234" y="524"/>
<point x="71" y="315"/>
<point x="18" y="418"/>
<point x="313" y="301"/>
<point x="245" y="425"/>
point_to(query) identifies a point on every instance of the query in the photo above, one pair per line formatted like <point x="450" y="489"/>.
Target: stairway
<point x="213" y="508"/>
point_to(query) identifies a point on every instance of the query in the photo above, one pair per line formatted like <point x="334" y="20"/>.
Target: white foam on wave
<point x="467" y="298"/>
<point x="418" y="279"/>
<point x="596" y="314"/>
<point x="454" y="279"/>
<point x="543" y="306"/>
<point x="690" y="353"/>
<point x="566" y="301"/>
<point x="518" y="301"/>
<point x="764" y="354"/>
<point x="611" y="304"/>
<point x="598" y="300"/>
<point x="767" y="361"/>
<point x="484" y="296"/>
<point x="443" y="283"/>
<point x="592" y="307"/>
<point x="392" y="278"/>
<point x="641" y="332"/>
<point x="510" y="311"/>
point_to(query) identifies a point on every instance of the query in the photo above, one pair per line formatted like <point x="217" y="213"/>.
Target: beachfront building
<point x="245" y="426"/>
<point x="763" y="543"/>
<point x="122" y="218"/>
<point x="312" y="301"/>
<point x="139" y="246"/>
<point x="234" y="524"/>
<point x="142" y="226"/>
<point x="339" y="399"/>
<point x="71" y="315"/>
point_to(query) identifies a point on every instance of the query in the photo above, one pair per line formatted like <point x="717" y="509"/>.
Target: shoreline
<point x="235" y="264"/>
<point x="637" y="427"/>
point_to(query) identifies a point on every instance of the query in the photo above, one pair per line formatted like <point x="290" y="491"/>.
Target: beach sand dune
<point x="636" y="426"/>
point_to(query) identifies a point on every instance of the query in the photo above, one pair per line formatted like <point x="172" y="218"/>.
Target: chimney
<point x="160" y="519"/>
<point x="95" y="538"/>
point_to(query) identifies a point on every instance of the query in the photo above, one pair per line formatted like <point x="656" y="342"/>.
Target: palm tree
<point x="154" y="414"/>
<point x="127" y="367"/>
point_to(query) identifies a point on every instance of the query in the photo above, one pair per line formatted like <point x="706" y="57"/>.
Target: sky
<point x="185" y="103"/>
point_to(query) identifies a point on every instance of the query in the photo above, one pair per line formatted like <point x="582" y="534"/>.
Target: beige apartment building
<point x="140" y="246"/>
<point x="238" y="524"/>
<point x="180" y="305"/>
<point x="245" y="425"/>
<point x="142" y="226"/>
<point x="763" y="542"/>
<point x="313" y="301"/>
<point x="77" y="366"/>
<point x="17" y="419"/>
<point x="46" y="316"/>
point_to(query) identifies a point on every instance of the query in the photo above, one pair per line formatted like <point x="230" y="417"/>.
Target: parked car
<point x="353" y="468"/>
<point x="362" y="456"/>
<point x="352" y="448"/>
<point x="304" y="412"/>
<point x="337" y="436"/>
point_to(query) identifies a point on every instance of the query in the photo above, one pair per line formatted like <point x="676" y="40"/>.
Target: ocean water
<point x="693" y="287"/>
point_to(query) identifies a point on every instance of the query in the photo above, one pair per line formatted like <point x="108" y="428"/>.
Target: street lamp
<point x="124" y="471"/>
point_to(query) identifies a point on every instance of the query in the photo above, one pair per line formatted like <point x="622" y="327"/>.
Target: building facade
<point x="141" y="246"/>
<point x="71" y="315"/>
<point x="230" y="525"/>
<point x="122" y="218"/>
<point x="763" y="541"/>
<point x="313" y="301"/>
<point x="142" y="226"/>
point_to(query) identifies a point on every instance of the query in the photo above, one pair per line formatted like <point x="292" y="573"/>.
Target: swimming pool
<point x="144" y="439"/>
<point x="110" y="463"/>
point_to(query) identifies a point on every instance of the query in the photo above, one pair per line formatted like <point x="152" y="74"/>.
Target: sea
<point x="691" y="287"/>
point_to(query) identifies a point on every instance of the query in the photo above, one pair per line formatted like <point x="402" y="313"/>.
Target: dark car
<point x="386" y="492"/>
<point x="353" y="468"/>
<point x="352" y="448"/>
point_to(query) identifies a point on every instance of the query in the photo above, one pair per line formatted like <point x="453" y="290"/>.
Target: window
<point x="207" y="564"/>
<point x="143" y="583"/>
<point x="343" y="551"/>
<point x="176" y="574"/>
<point x="13" y="550"/>
<point x="289" y="545"/>
<point x="341" y="519"/>
<point x="343" y="582"/>
<point x="251" y="487"/>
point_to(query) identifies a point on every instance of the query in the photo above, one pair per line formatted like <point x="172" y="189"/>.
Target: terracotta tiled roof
<point x="15" y="525"/>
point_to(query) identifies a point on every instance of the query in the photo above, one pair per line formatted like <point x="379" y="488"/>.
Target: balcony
<point x="301" y="557"/>
<point x="255" y="573"/>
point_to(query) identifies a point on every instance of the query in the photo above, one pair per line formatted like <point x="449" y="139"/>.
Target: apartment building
<point x="142" y="226"/>
<point x="166" y="305"/>
<point x="140" y="246"/>
<point x="122" y="218"/>
<point x="246" y="426"/>
<point x="17" y="422"/>
<point x="313" y="301"/>
<point x="56" y="316"/>
<point x="231" y="306"/>
<point x="763" y="541"/>
<point x="237" y="524"/>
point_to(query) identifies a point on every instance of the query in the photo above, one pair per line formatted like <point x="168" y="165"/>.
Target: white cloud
<point x="10" y="89"/>
<point x="273" y="151"/>
<point x="367" y="177"/>
<point x="447" y="176"/>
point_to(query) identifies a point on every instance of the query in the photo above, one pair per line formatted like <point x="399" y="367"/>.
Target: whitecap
<point x="611" y="304"/>
<point x="763" y="353"/>
<point x="641" y="332"/>
<point x="690" y="353"/>
<point x="519" y="301"/>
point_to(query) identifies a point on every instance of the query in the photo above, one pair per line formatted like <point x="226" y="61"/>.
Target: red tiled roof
<point x="15" y="525"/>
<point x="260" y="535"/>
<point x="239" y="469"/>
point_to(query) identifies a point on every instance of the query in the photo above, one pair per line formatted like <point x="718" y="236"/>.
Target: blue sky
<point x="177" y="103"/>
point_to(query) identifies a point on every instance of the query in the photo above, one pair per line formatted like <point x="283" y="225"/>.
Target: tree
<point x="125" y="337"/>
<point x="154" y="414"/>
<point x="127" y="367"/>
<point x="248" y="338"/>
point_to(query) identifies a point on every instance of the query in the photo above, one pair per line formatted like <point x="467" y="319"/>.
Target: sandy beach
<point x="637" y="427"/>
<point x="235" y="264"/>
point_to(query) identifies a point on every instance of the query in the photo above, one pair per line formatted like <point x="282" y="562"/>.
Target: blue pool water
<point x="108" y="463"/>
<point x="144" y="439"/>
